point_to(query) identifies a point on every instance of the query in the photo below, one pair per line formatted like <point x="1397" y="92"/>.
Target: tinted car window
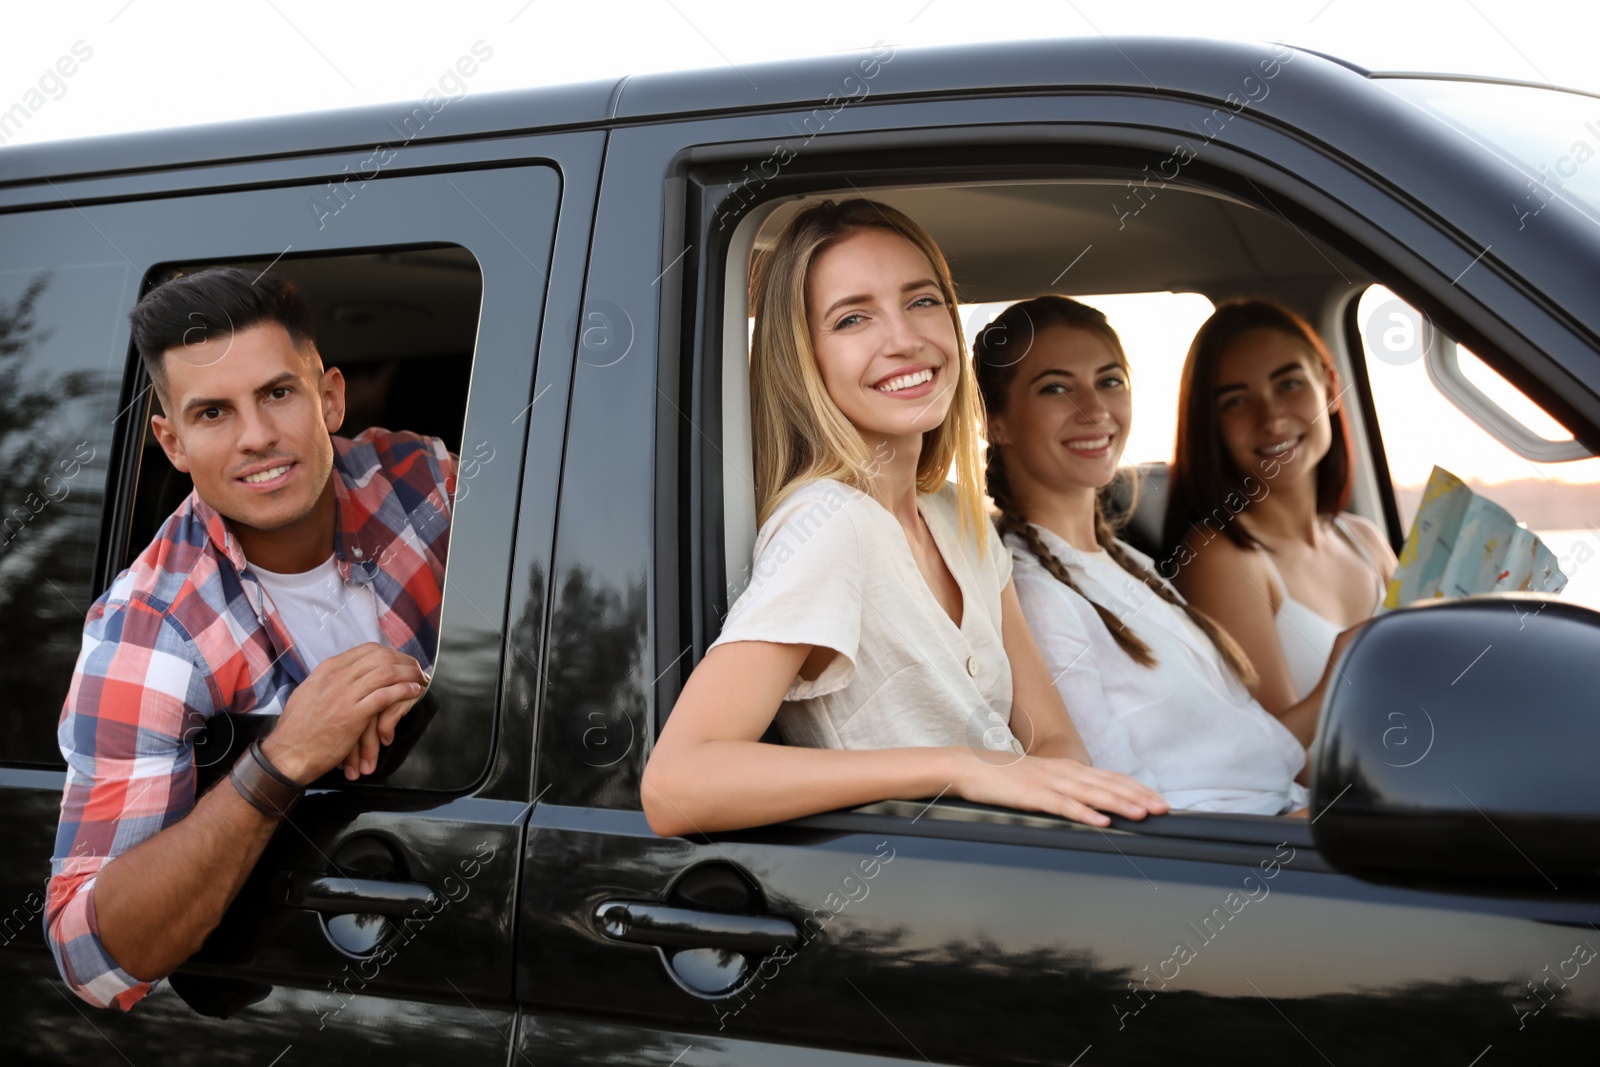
<point x="1550" y="134"/>
<point x="133" y="246"/>
<point x="60" y="348"/>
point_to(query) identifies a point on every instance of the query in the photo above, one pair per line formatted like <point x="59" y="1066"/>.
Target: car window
<point x="1421" y="427"/>
<point x="60" y="372"/>
<point x="411" y="281"/>
<point x="400" y="325"/>
<point x="1549" y="134"/>
<point x="1031" y="242"/>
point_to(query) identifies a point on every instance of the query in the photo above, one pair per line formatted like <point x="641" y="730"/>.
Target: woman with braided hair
<point x="1156" y="688"/>
<point x="879" y="630"/>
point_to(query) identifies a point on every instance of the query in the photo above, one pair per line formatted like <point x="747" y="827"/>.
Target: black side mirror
<point x="1459" y="749"/>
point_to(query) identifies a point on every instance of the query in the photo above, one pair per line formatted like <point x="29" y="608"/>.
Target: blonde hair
<point x="800" y="434"/>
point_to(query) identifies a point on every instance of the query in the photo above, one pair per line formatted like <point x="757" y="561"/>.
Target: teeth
<point x="266" y="476"/>
<point x="1278" y="449"/>
<point x="1089" y="446"/>
<point x="906" y="381"/>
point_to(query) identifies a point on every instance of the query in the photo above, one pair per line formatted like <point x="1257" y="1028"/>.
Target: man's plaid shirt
<point x="187" y="632"/>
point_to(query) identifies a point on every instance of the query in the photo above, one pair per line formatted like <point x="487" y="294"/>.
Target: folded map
<point x="1463" y="544"/>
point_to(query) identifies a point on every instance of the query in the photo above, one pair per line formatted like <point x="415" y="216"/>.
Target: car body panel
<point x="936" y="932"/>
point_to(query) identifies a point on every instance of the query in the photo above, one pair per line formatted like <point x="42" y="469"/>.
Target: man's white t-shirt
<point x="323" y="614"/>
<point x="1185" y="727"/>
<point x="833" y="568"/>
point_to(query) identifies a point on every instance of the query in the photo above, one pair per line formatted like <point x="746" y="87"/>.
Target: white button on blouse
<point x="833" y="569"/>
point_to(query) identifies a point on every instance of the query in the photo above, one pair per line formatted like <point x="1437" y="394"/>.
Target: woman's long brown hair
<point x="1203" y="475"/>
<point x="998" y="351"/>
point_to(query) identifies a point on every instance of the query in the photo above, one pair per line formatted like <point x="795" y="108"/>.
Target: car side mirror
<point x="1458" y="749"/>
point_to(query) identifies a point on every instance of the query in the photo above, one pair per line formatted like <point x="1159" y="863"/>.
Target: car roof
<point x="1206" y="69"/>
<point x="1308" y="96"/>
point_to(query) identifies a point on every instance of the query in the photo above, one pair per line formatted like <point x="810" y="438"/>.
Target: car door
<point x="378" y="922"/>
<point x="941" y="931"/>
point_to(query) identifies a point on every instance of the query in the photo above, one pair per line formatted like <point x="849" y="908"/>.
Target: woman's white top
<point x="1185" y="727"/>
<point x="833" y="568"/>
<point x="1305" y="636"/>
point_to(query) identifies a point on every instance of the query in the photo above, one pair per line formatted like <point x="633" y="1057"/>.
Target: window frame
<point x="91" y="482"/>
<point x="1338" y="207"/>
<point x="470" y="720"/>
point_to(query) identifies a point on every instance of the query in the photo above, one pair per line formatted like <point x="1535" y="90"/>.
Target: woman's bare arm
<point x="710" y="771"/>
<point x="1232" y="585"/>
<point x="1376" y="543"/>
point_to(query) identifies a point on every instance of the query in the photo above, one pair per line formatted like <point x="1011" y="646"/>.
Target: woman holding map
<point x="1256" y="523"/>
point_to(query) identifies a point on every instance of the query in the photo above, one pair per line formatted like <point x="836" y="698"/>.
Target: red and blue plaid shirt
<point x="187" y="632"/>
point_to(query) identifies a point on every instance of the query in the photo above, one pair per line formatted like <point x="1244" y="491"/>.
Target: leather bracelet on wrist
<point x="268" y="789"/>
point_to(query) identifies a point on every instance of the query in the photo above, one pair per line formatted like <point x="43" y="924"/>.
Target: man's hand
<point x="157" y="902"/>
<point x="342" y="711"/>
<point x="363" y="755"/>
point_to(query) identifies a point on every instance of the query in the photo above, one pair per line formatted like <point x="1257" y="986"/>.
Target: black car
<point x="554" y="281"/>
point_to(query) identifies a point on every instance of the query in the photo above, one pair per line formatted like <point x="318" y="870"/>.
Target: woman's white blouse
<point x="833" y="568"/>
<point x="1185" y="727"/>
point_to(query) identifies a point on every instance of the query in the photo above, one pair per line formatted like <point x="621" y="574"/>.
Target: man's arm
<point x="140" y="892"/>
<point x="157" y="902"/>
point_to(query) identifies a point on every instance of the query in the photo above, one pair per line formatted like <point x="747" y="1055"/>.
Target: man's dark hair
<point x="194" y="308"/>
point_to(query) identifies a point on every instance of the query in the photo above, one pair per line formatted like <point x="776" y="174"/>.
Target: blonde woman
<point x="880" y="628"/>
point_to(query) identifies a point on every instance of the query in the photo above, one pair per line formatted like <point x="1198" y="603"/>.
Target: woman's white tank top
<point x="1305" y="636"/>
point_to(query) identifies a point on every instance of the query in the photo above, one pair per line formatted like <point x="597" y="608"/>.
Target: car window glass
<point x="101" y="257"/>
<point x="59" y="381"/>
<point x="1422" y="428"/>
<point x="1550" y="135"/>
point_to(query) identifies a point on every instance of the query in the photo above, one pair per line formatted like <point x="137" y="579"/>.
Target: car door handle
<point x="336" y="894"/>
<point x="644" y="923"/>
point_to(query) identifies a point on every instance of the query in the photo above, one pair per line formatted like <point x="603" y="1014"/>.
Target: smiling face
<point x="1272" y="403"/>
<point x="249" y="420"/>
<point x="1067" y="414"/>
<point x="884" y="340"/>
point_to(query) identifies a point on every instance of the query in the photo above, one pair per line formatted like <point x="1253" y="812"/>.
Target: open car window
<point x="1422" y="427"/>
<point x="1157" y="283"/>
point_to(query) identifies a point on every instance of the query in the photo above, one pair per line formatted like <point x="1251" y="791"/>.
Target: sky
<point x="160" y="63"/>
<point x="143" y="64"/>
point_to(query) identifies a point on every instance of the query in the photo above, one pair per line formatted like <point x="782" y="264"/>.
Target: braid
<point x="1012" y="520"/>
<point x="996" y="365"/>
<point x="1232" y="654"/>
